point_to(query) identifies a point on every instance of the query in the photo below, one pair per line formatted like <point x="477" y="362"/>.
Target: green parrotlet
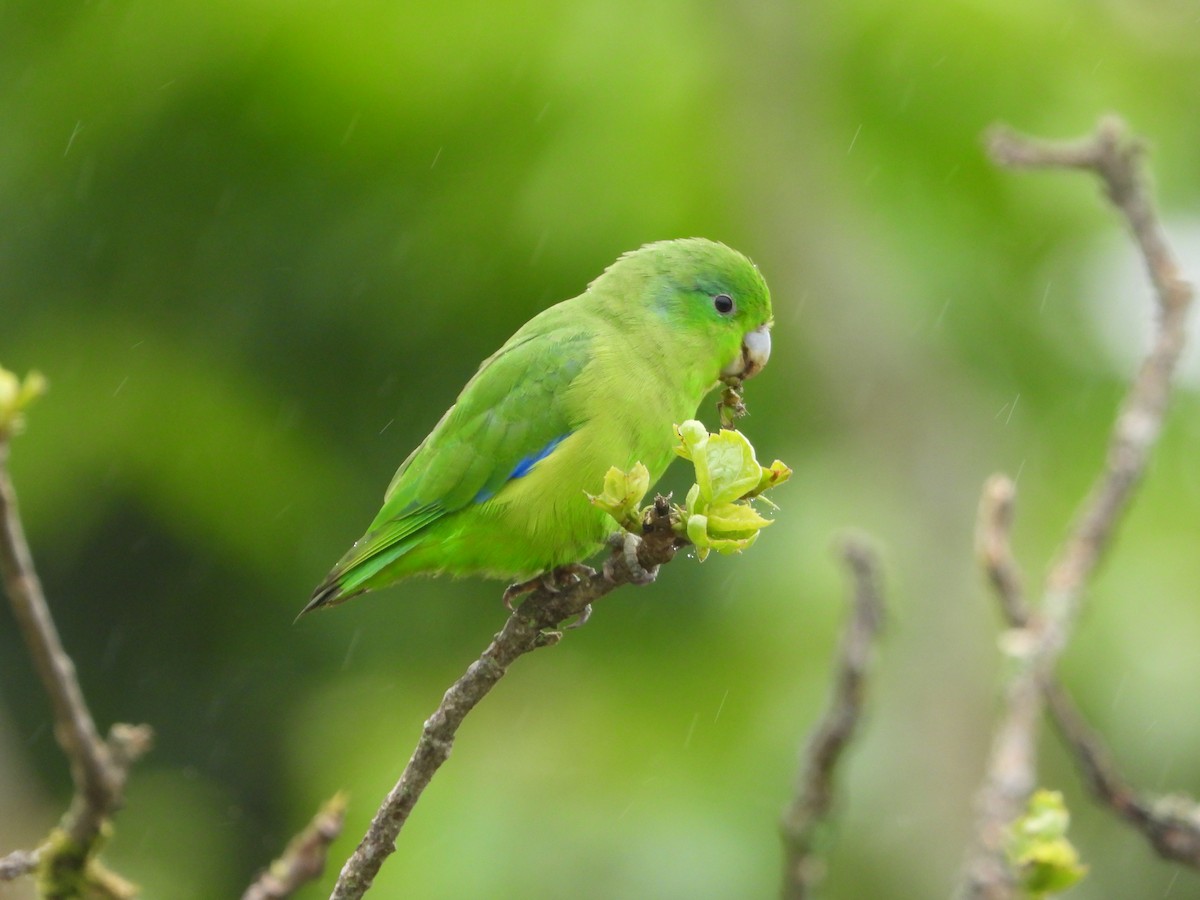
<point x="499" y="487"/>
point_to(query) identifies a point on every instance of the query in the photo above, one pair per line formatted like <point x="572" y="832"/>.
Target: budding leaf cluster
<point x="1038" y="849"/>
<point x="622" y="495"/>
<point x="15" y="397"/>
<point x="718" y="513"/>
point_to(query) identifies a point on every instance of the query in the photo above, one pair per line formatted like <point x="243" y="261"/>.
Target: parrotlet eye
<point x="723" y="303"/>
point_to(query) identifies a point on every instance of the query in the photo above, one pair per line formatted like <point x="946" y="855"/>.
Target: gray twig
<point x="535" y="623"/>
<point x="18" y="863"/>
<point x="1041" y="635"/>
<point x="1171" y="824"/>
<point x="98" y="766"/>
<point x="806" y="814"/>
<point x="304" y="858"/>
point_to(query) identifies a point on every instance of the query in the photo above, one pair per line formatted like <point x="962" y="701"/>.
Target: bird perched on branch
<point x="498" y="487"/>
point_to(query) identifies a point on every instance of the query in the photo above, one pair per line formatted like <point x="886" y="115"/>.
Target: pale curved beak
<point x="756" y="350"/>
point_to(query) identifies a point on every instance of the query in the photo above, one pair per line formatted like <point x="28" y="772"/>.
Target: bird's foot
<point x="552" y="581"/>
<point x="520" y="589"/>
<point x="571" y="573"/>
<point x="626" y="544"/>
<point x="583" y="618"/>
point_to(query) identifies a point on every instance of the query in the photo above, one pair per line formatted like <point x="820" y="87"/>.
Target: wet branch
<point x="98" y="766"/>
<point x="806" y="814"/>
<point x="1039" y="636"/>
<point x="534" y="624"/>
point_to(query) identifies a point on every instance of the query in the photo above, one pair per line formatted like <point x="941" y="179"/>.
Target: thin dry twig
<point x="1116" y="158"/>
<point x="1041" y="635"/>
<point x="808" y="811"/>
<point x="1012" y="764"/>
<point x="304" y="858"/>
<point x="1171" y="825"/>
<point x="98" y="766"/>
<point x="994" y="549"/>
<point x="534" y="624"/>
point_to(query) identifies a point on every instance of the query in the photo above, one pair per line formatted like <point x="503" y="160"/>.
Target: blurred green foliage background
<point x="258" y="247"/>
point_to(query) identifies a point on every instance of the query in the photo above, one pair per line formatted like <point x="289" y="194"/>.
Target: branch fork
<point x="1115" y="158"/>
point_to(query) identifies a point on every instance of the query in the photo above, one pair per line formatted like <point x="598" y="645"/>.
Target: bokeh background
<point x="258" y="247"/>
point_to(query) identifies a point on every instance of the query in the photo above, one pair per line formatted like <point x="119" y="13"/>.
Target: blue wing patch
<point x="523" y="467"/>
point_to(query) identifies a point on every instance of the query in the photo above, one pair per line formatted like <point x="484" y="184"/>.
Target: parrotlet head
<point x="704" y="291"/>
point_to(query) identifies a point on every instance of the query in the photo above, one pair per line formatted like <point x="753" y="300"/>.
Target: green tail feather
<point x="349" y="578"/>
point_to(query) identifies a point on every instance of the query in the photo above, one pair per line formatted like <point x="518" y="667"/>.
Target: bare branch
<point x="1009" y="779"/>
<point x="98" y="767"/>
<point x="18" y="863"/>
<point x="533" y="624"/>
<point x="304" y="859"/>
<point x="74" y="728"/>
<point x="809" y="808"/>
<point x="1170" y="824"/>
<point x="993" y="547"/>
<point x="1039" y="638"/>
<point x="1115" y="158"/>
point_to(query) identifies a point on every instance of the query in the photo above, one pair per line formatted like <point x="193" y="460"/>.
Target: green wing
<point x="507" y="418"/>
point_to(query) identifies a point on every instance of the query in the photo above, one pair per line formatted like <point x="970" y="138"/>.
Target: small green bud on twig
<point x="718" y="513"/>
<point x="622" y="495"/>
<point x="1045" y="861"/>
<point x="15" y="397"/>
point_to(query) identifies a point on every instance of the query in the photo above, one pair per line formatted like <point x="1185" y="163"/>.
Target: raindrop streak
<point x="350" y="128"/>
<point x="1120" y="690"/>
<point x="350" y="650"/>
<point x="124" y="381"/>
<point x="1012" y="409"/>
<point x="1045" y="294"/>
<point x="74" y="134"/>
<point x="387" y="426"/>
<point x="854" y="139"/>
<point x="937" y="323"/>
<point x="111" y="647"/>
<point x="537" y="251"/>
<point x="687" y="741"/>
<point x="1171" y="884"/>
<point x="798" y="307"/>
<point x="721" y="705"/>
<point x="436" y="157"/>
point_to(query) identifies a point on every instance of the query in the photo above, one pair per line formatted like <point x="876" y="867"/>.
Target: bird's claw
<point x="520" y="589"/>
<point x="627" y="543"/>
<point x="576" y="572"/>
<point x="583" y="618"/>
<point x="552" y="581"/>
